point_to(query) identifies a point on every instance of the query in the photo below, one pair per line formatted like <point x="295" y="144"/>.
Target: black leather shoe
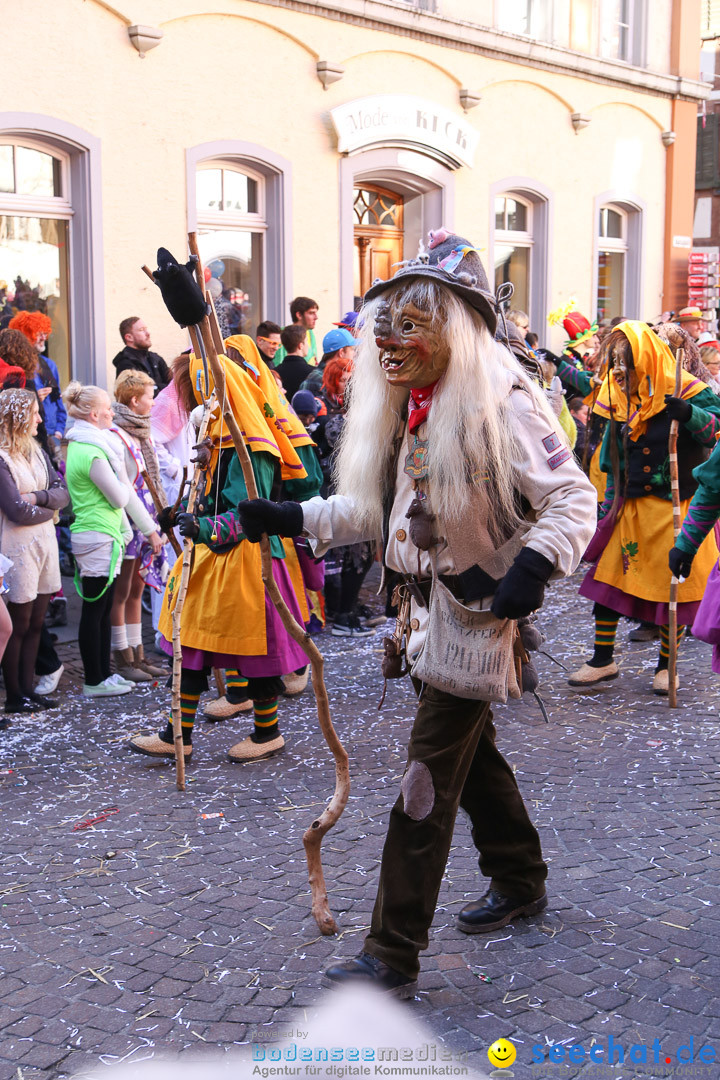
<point x="42" y="702"/>
<point x="494" y="910"/>
<point x="21" y="705"/>
<point x="373" y="972"/>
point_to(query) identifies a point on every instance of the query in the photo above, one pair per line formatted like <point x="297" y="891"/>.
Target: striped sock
<point x="664" y="656"/>
<point x="605" y="630"/>
<point x="235" y="686"/>
<point x="266" y="720"/>
<point x="188" y="708"/>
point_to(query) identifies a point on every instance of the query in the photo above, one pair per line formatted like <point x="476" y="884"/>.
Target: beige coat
<point x="32" y="547"/>
<point x="559" y="526"/>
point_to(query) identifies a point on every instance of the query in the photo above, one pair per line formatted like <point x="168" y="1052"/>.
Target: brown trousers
<point x="452" y="761"/>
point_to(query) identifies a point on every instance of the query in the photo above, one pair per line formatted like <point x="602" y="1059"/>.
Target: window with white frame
<point x="35" y="223"/>
<point x="528" y="18"/>
<point x="622" y="30"/>
<point x="231" y="225"/>
<point x="612" y="246"/>
<point x="513" y="243"/>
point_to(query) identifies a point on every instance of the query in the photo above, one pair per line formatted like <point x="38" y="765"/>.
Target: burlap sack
<point x="467" y="653"/>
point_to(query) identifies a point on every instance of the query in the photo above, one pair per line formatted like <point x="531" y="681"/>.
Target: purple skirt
<point x="632" y="606"/>
<point x="283" y="654"/>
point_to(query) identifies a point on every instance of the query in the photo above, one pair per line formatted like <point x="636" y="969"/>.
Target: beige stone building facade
<point x="312" y="143"/>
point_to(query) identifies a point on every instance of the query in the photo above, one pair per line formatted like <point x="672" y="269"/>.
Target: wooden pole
<point x="158" y="504"/>
<point x="219" y="681"/>
<point x="177" y="616"/>
<point x="675" y="489"/>
<point x="312" y="838"/>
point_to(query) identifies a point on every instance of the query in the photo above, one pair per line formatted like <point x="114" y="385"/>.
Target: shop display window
<point x="35" y="223"/>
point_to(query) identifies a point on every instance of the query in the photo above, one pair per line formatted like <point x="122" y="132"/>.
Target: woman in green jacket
<point x="102" y="497"/>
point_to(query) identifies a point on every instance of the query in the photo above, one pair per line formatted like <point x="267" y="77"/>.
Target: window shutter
<point x="708" y="151"/>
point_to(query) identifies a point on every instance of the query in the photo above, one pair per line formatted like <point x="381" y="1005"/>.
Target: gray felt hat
<point x="453" y="262"/>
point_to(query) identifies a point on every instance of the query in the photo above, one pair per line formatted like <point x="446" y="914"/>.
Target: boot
<point x="124" y="661"/>
<point x="661" y="682"/>
<point x="57" y="612"/>
<point x="144" y="664"/>
<point x="249" y="750"/>
<point x="591" y="676"/>
<point x="154" y="746"/>
<point x="222" y="709"/>
<point x="294" y="683"/>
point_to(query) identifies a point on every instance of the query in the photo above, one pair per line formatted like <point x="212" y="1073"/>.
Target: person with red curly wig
<point x="37" y="328"/>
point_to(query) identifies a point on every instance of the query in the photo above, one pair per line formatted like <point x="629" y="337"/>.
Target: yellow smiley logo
<point x="502" y="1053"/>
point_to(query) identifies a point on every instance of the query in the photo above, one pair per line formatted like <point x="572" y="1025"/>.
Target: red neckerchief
<point x="419" y="405"/>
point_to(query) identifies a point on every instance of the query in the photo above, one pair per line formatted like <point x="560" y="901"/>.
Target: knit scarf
<point x="84" y="432"/>
<point x="139" y="428"/>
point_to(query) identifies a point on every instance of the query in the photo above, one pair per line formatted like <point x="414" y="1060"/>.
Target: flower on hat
<point x="577" y="327"/>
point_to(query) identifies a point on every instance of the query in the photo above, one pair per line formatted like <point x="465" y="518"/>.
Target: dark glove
<point x="166" y="519"/>
<point x="680" y="563"/>
<point x="677" y="409"/>
<point x="188" y="525"/>
<point x="547" y="357"/>
<point x="522" y="589"/>
<point x="204" y="453"/>
<point x="258" y="516"/>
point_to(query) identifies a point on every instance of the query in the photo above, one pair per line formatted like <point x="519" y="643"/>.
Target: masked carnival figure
<point x="228" y="620"/>
<point x="630" y="575"/>
<point x="451" y="454"/>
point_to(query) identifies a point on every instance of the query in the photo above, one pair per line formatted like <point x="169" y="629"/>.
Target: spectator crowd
<point x="92" y="484"/>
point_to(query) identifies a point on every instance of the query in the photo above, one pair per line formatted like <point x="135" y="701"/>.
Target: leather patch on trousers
<point x="417" y="791"/>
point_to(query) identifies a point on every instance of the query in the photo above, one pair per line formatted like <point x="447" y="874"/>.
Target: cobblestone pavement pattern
<point x="160" y="930"/>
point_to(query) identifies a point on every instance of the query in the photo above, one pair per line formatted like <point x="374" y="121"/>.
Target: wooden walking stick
<point x="158" y="504"/>
<point x="177" y="613"/>
<point x="675" y="489"/>
<point x="187" y="553"/>
<point x="312" y="839"/>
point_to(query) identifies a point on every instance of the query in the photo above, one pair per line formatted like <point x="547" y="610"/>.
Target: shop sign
<point x="401" y="119"/>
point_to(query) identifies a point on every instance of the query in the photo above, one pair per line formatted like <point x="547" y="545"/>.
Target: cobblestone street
<point x="180" y="923"/>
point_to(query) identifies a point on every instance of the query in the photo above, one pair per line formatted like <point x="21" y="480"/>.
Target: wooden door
<point x="378" y="229"/>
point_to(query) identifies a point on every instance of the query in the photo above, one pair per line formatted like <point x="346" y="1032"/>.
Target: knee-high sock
<point x="606" y="624"/>
<point x="664" y="656"/>
<point x="192" y="685"/>
<point x="266" y="720"/>
<point x="236" y="686"/>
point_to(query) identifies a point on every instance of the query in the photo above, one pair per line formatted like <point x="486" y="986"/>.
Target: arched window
<point x="618" y="264"/>
<point x="35" y="223"/>
<point x="520" y="236"/>
<point x="231" y="225"/>
<point x="513" y="246"/>
<point x="612" y="245"/>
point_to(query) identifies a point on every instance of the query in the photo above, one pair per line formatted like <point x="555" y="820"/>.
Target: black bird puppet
<point x="179" y="288"/>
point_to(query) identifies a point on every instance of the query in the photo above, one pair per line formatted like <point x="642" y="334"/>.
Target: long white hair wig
<point x="472" y="441"/>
